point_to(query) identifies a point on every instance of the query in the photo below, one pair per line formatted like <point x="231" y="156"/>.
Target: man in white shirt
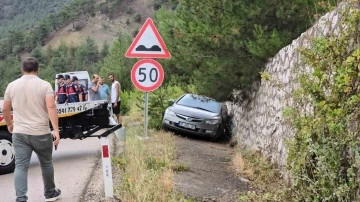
<point x="115" y="97"/>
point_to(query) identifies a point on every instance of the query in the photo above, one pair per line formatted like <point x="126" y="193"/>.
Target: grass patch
<point x="180" y="168"/>
<point x="136" y="114"/>
<point x="263" y="177"/>
<point x="148" y="167"/>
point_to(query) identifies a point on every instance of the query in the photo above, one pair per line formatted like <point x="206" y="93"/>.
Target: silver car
<point x="197" y="115"/>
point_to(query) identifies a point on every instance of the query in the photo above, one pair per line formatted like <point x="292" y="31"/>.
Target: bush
<point x="157" y="5"/>
<point x="158" y="102"/>
<point x="129" y="10"/>
<point x="135" y="33"/>
<point x="324" y="155"/>
<point x="125" y="102"/>
<point x="137" y="18"/>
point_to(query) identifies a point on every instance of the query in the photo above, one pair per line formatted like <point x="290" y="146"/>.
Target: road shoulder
<point x="94" y="191"/>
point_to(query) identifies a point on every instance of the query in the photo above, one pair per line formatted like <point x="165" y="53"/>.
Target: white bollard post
<point x="107" y="170"/>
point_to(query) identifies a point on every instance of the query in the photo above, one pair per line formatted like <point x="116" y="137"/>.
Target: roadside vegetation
<point x="264" y="180"/>
<point x="147" y="166"/>
<point x="324" y="155"/>
<point x="218" y="46"/>
<point x="217" y="51"/>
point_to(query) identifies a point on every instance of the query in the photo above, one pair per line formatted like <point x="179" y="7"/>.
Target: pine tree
<point x="104" y="50"/>
<point x="222" y="45"/>
<point x="120" y="66"/>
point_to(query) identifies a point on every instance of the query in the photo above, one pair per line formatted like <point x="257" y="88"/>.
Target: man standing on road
<point x="29" y="96"/>
<point x="104" y="90"/>
<point x="94" y="86"/>
<point x="115" y="97"/>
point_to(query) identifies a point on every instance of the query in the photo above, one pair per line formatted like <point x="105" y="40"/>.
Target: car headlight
<point x="169" y="112"/>
<point x="212" y="121"/>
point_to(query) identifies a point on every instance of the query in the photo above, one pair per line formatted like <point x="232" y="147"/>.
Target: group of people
<point x="32" y="109"/>
<point x="33" y="104"/>
<point x="70" y="91"/>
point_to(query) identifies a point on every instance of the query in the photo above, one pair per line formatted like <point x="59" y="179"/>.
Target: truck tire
<point x="7" y="153"/>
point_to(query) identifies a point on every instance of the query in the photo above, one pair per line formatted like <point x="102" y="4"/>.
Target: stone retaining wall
<point x="259" y="125"/>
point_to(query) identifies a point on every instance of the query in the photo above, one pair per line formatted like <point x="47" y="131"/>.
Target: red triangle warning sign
<point x="148" y="43"/>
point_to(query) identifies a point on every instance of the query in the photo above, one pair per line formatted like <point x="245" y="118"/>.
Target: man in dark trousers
<point x="115" y="97"/>
<point x="30" y="96"/>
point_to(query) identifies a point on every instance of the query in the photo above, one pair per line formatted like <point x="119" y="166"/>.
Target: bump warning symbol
<point x="148" y="43"/>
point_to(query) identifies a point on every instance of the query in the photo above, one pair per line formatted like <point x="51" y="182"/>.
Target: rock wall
<point x="259" y="125"/>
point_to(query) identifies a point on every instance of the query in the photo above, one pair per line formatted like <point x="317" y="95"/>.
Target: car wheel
<point x="7" y="153"/>
<point x="166" y="129"/>
<point x="163" y="125"/>
<point x="219" y="133"/>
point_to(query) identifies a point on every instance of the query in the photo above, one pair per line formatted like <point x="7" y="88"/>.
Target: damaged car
<point x="198" y="115"/>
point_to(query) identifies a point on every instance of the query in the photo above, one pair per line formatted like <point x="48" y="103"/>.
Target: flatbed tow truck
<point x="76" y="121"/>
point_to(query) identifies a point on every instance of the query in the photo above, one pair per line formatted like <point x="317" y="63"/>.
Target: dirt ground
<point x="210" y="177"/>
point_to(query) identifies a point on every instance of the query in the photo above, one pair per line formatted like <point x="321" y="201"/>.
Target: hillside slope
<point x="128" y="18"/>
<point x="19" y="15"/>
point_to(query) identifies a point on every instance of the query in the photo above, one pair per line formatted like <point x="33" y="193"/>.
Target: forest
<point x="20" y="15"/>
<point x="217" y="46"/>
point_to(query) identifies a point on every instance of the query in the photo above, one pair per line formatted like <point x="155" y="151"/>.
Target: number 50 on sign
<point x="147" y="75"/>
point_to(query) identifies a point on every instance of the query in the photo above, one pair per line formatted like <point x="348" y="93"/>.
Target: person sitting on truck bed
<point x="61" y="96"/>
<point x="71" y="90"/>
<point x="83" y="95"/>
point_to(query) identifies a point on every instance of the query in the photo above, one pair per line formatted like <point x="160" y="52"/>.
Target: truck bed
<point x="65" y="110"/>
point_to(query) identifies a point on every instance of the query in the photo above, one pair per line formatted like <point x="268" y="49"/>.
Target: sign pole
<point x="147" y="74"/>
<point x="107" y="170"/>
<point x="146" y="113"/>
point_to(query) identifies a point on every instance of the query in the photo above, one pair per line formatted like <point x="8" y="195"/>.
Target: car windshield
<point x="199" y="102"/>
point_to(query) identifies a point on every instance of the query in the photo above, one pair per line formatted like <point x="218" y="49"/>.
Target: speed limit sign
<point x="147" y="75"/>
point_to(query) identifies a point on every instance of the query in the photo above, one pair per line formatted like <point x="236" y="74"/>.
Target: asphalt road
<point x="74" y="162"/>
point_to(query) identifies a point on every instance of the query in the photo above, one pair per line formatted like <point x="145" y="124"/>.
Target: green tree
<point x="92" y="51"/>
<point x="117" y="64"/>
<point x="222" y="45"/>
<point x="105" y="50"/>
<point x="30" y="41"/>
<point x="37" y="53"/>
<point x="10" y="70"/>
<point x="58" y="64"/>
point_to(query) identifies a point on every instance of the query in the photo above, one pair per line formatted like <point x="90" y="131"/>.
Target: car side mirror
<point x="171" y="102"/>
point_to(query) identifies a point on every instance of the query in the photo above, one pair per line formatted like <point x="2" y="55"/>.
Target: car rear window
<point x="200" y="102"/>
